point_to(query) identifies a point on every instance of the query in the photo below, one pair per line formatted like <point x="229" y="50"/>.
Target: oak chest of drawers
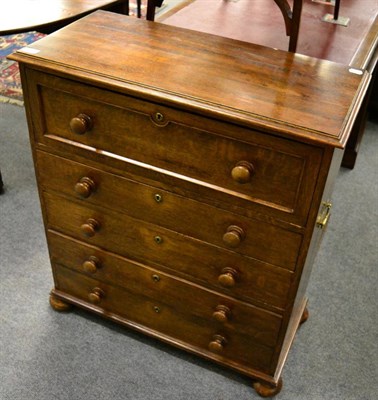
<point x="185" y="180"/>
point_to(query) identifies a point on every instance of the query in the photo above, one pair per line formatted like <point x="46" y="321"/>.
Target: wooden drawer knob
<point x="85" y="187"/>
<point x="81" y="124"/>
<point x="90" y="228"/>
<point x="242" y="172"/>
<point x="217" y="344"/>
<point x="91" y="265"/>
<point x="233" y="236"/>
<point x="228" y="277"/>
<point x="96" y="295"/>
<point x="222" y="314"/>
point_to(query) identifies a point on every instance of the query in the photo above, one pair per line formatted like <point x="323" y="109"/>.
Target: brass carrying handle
<point x="323" y="217"/>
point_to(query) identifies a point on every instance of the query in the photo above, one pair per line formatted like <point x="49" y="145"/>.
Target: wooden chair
<point x="139" y="8"/>
<point x="292" y="17"/>
<point x="126" y="9"/>
<point x="151" y="7"/>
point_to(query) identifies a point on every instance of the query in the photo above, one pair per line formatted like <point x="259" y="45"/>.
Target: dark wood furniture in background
<point x="151" y="8"/>
<point x="292" y="17"/>
<point x="188" y="214"/>
<point x="366" y="58"/>
<point x="24" y="15"/>
<point x="355" y="45"/>
<point x="139" y="8"/>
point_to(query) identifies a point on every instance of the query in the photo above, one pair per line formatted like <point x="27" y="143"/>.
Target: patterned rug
<point x="10" y="83"/>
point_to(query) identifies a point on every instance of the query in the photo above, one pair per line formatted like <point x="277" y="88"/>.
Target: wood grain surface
<point x="291" y="94"/>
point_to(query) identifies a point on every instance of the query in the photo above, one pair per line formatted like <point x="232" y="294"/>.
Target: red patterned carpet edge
<point x="10" y="82"/>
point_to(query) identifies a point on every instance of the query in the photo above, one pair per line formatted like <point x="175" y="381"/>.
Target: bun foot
<point x="58" y="304"/>
<point x="265" y="390"/>
<point x="305" y="316"/>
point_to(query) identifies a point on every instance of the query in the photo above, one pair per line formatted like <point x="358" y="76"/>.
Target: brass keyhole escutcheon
<point x="159" y="117"/>
<point x="158" y="197"/>
<point x="155" y="278"/>
<point x="158" y="239"/>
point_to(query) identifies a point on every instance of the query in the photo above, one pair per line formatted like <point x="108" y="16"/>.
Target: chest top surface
<point x="289" y="94"/>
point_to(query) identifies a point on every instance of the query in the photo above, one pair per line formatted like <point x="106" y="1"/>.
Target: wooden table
<point x="47" y="16"/>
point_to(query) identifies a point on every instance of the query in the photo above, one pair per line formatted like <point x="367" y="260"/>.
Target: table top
<point x="293" y="95"/>
<point x="27" y="15"/>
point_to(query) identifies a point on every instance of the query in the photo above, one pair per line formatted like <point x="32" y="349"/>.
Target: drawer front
<point x="254" y="281"/>
<point x="276" y="174"/>
<point x="218" y="310"/>
<point x="138" y="240"/>
<point x="167" y="319"/>
<point x="256" y="239"/>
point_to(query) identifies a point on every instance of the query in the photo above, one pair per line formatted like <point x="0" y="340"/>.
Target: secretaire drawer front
<point x="166" y="319"/>
<point x="249" y="166"/>
<point x="244" y="235"/>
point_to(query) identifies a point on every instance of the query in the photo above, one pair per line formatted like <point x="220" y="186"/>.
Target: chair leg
<point x="124" y="8"/>
<point x="139" y="8"/>
<point x="295" y="23"/>
<point x="292" y="18"/>
<point x="151" y="5"/>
